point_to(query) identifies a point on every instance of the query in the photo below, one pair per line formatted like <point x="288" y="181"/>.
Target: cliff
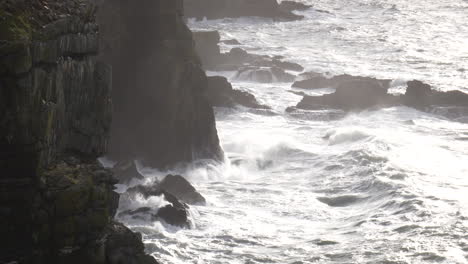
<point x="161" y="113"/>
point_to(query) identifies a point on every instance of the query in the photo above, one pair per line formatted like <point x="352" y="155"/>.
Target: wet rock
<point x="207" y="46"/>
<point x="175" y="213"/>
<point x="231" y="42"/>
<point x="126" y="171"/>
<point x="352" y="95"/>
<point x="421" y="96"/>
<point x="216" y="9"/>
<point x="317" y="81"/>
<point x="221" y="94"/>
<point x="264" y="75"/>
<point x="293" y="6"/>
<point x="182" y="189"/>
<point x="124" y="246"/>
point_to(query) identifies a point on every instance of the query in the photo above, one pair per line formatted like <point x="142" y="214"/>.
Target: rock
<point x="421" y="96"/>
<point x="317" y="81"/>
<point x="124" y="246"/>
<point x="351" y="95"/>
<point x="216" y="9"/>
<point x="231" y="42"/>
<point x="221" y="94"/>
<point x="168" y="86"/>
<point x="207" y="46"/>
<point x="182" y="189"/>
<point x="126" y="171"/>
<point x="293" y="6"/>
<point x="175" y="214"/>
<point x="264" y="75"/>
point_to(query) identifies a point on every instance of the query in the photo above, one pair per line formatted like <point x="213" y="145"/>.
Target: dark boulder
<point x="182" y="189"/>
<point x="216" y="9"/>
<point x="124" y="246"/>
<point x="451" y="104"/>
<point x="221" y="94"/>
<point x="126" y="171"/>
<point x="293" y="6"/>
<point x="175" y="213"/>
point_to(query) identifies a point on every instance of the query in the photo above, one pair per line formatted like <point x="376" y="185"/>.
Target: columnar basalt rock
<point x="56" y="201"/>
<point x="161" y="113"/>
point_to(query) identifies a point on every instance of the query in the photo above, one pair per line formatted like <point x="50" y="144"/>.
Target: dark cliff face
<point x="161" y="114"/>
<point x="56" y="202"/>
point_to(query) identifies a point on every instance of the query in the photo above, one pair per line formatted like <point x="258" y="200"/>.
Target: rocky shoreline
<point x="65" y="91"/>
<point x="81" y="80"/>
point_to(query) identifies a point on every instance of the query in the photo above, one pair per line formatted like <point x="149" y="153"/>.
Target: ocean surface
<point x="384" y="186"/>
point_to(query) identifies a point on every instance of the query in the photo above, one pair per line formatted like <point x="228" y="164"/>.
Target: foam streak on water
<point x="371" y="187"/>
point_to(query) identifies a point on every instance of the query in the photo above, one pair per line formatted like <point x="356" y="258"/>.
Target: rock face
<point x="216" y="9"/>
<point x="56" y="201"/>
<point x="221" y="94"/>
<point x="161" y="113"/>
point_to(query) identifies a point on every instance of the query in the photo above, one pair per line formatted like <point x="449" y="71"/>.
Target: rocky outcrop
<point x="221" y="94"/>
<point x="263" y="74"/>
<point x="364" y="94"/>
<point x="293" y="6"/>
<point x="161" y="114"/>
<point x="312" y="80"/>
<point x="216" y="9"/>
<point x="351" y="95"/>
<point x="56" y="201"/>
<point x="207" y="46"/>
<point x="177" y="191"/>
<point x="125" y="246"/>
<point x="126" y="171"/>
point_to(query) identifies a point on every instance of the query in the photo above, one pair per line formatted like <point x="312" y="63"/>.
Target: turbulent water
<point x="385" y="186"/>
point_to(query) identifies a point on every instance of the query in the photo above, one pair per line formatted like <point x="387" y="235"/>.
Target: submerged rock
<point x="221" y="94"/>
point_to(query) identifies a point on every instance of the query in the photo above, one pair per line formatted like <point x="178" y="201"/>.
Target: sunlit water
<point x="325" y="187"/>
